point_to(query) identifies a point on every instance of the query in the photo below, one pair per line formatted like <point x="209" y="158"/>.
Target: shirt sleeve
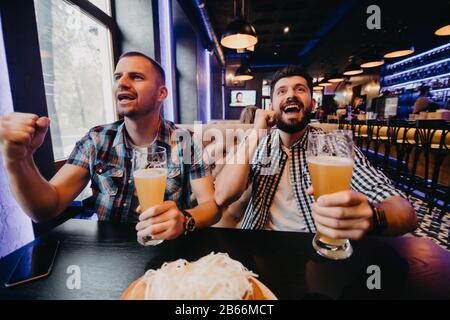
<point x="199" y="162"/>
<point x="257" y="159"/>
<point x="371" y="181"/>
<point x="83" y="153"/>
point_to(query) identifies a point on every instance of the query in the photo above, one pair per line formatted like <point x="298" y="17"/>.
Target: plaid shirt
<point x="267" y="168"/>
<point x="105" y="152"/>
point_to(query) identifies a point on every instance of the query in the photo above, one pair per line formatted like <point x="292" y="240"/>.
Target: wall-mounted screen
<point x="243" y="98"/>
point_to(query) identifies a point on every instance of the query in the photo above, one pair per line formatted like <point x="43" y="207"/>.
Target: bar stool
<point x="440" y="152"/>
<point x="404" y="146"/>
<point x="380" y="139"/>
<point x="367" y="136"/>
<point x="352" y="125"/>
<point x="424" y="136"/>
<point x="394" y="134"/>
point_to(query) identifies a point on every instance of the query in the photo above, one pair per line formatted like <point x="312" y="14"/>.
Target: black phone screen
<point x="35" y="262"/>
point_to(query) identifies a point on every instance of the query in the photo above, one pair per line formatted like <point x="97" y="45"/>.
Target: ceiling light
<point x="443" y="31"/>
<point x="352" y="70"/>
<point x="316" y="86"/>
<point x="325" y="82"/>
<point x="372" y="61"/>
<point x="335" y="78"/>
<point x="239" y="34"/>
<point x="243" y="73"/>
<point x="397" y="53"/>
<point x="401" y="46"/>
<point x="372" y="64"/>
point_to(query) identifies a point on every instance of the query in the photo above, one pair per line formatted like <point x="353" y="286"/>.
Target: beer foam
<point x="150" y="173"/>
<point x="331" y="161"/>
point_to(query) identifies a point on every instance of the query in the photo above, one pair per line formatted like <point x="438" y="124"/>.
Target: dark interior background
<point x="323" y="35"/>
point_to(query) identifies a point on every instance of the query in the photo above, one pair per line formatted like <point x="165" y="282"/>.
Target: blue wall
<point x="15" y="227"/>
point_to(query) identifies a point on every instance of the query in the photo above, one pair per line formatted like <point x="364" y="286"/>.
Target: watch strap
<point x="380" y="222"/>
<point x="189" y="224"/>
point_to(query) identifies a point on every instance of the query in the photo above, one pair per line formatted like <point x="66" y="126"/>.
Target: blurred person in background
<point x="248" y="115"/>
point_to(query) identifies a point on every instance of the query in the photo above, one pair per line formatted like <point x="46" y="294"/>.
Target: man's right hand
<point x="21" y="134"/>
<point x="264" y="119"/>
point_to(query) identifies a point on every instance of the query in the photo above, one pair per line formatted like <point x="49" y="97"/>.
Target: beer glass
<point x="330" y="162"/>
<point x="150" y="177"/>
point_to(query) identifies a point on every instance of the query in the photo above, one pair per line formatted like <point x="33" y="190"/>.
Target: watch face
<point x="190" y="224"/>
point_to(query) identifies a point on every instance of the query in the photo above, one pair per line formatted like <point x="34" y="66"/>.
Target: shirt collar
<point x="163" y="134"/>
<point x="301" y="143"/>
<point x="120" y="136"/>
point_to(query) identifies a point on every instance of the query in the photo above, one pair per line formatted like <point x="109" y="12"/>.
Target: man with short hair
<point x="103" y="156"/>
<point x="423" y="101"/>
<point x="281" y="184"/>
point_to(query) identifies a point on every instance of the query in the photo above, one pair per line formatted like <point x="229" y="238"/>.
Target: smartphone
<point x="35" y="262"/>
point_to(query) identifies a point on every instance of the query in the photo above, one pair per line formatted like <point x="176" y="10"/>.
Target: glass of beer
<point x="150" y="177"/>
<point x="330" y="162"/>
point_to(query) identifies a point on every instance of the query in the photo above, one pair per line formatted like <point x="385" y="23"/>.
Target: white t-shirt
<point x="140" y="148"/>
<point x="284" y="214"/>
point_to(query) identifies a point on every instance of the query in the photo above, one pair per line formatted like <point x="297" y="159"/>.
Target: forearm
<point x="232" y="180"/>
<point x="36" y="196"/>
<point x="205" y="214"/>
<point x="400" y="216"/>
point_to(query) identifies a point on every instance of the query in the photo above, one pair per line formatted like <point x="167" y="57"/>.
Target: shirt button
<point x="100" y="171"/>
<point x="124" y="204"/>
<point x="129" y="181"/>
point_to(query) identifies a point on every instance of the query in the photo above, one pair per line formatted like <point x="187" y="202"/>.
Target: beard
<point x="293" y="126"/>
<point x="135" y="110"/>
<point x="127" y="113"/>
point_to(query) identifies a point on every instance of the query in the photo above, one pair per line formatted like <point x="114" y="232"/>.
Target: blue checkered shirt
<point x="106" y="153"/>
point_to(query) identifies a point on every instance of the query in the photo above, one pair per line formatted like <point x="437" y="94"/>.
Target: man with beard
<point x="103" y="156"/>
<point x="282" y="196"/>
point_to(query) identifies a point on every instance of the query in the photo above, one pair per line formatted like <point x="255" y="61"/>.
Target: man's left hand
<point x="343" y="215"/>
<point x="161" y="222"/>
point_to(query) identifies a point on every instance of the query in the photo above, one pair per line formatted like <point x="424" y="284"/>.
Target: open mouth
<point x="125" y="97"/>
<point x="292" y="108"/>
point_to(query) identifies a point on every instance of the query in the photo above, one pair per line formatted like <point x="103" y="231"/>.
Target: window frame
<point x="25" y="69"/>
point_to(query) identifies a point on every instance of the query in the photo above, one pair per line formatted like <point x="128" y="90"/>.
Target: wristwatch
<point x="380" y="222"/>
<point x="189" y="224"/>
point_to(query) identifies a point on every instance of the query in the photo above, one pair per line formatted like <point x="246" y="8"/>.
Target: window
<point x="76" y="54"/>
<point x="266" y="89"/>
<point x="103" y="5"/>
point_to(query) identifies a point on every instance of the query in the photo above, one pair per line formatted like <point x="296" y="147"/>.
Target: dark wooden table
<point x="110" y="259"/>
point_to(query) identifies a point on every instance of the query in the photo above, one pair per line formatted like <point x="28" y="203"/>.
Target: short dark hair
<point x="291" y="71"/>
<point x="155" y="64"/>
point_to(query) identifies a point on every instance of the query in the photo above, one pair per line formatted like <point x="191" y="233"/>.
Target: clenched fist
<point x="21" y="134"/>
